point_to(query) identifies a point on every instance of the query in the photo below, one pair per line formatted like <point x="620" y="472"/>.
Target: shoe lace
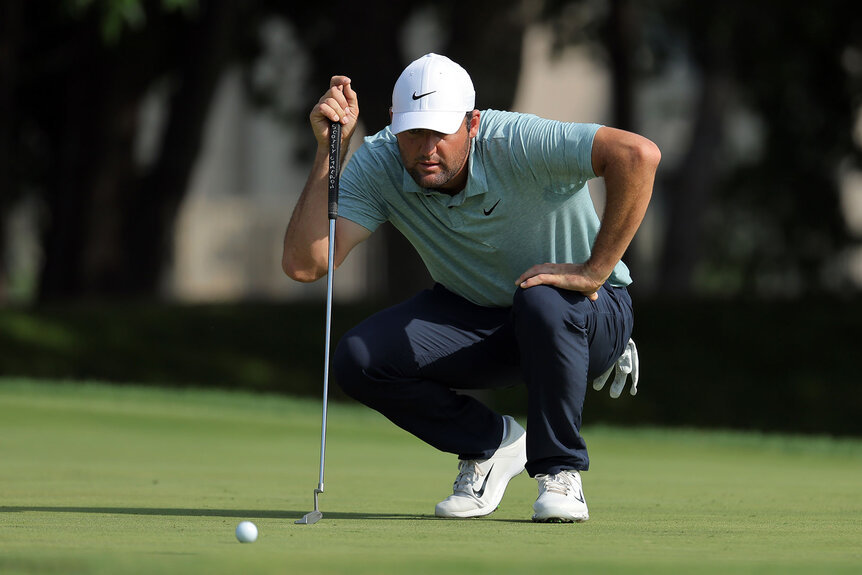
<point x="469" y="473"/>
<point x="557" y="483"/>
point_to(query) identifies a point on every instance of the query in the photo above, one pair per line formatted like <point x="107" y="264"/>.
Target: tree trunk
<point x="691" y="188"/>
<point x="10" y="17"/>
<point x="67" y="186"/>
<point x="154" y="206"/>
<point x="621" y="39"/>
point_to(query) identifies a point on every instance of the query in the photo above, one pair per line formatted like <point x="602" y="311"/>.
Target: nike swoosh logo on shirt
<point x="491" y="209"/>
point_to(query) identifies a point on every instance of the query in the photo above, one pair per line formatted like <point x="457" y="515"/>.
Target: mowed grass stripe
<point x="102" y="479"/>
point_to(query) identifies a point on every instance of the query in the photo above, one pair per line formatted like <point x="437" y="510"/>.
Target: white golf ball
<point x="246" y="532"/>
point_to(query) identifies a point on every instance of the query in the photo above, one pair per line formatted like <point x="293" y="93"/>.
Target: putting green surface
<point x="100" y="479"/>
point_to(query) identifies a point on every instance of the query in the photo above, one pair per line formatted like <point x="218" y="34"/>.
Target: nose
<point x="429" y="143"/>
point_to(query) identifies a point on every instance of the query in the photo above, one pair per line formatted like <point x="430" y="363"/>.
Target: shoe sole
<point x="558" y="520"/>
<point x="557" y="516"/>
<point x="469" y="516"/>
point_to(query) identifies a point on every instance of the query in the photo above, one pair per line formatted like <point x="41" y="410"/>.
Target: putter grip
<point x="334" y="167"/>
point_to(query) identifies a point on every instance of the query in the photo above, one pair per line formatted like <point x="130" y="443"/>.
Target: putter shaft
<point x="334" y="161"/>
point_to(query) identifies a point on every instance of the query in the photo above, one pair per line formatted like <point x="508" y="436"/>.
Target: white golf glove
<point x="627" y="364"/>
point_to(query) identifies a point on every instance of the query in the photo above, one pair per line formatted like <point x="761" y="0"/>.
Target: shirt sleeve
<point x="357" y="197"/>
<point x="559" y="154"/>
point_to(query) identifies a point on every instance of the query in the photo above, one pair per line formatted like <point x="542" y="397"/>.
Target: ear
<point x="390" y="114"/>
<point x="474" y="124"/>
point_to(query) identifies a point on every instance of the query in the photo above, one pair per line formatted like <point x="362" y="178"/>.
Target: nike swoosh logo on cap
<point x="417" y="96"/>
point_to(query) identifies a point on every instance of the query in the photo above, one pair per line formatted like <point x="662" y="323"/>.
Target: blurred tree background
<point x="747" y="291"/>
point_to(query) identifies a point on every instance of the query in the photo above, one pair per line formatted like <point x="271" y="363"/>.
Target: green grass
<point x="100" y="479"/>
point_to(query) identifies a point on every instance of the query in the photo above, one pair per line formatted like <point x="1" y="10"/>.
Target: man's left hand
<point x="574" y="277"/>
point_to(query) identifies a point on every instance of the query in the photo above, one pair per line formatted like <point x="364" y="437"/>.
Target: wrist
<point x="596" y="272"/>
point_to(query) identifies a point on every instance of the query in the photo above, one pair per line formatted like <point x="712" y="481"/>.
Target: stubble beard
<point x="433" y="181"/>
<point x="441" y="178"/>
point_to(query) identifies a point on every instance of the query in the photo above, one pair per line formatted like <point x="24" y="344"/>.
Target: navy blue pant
<point x="407" y="361"/>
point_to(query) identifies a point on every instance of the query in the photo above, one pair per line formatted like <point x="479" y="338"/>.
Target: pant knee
<point x="349" y="363"/>
<point x="547" y="307"/>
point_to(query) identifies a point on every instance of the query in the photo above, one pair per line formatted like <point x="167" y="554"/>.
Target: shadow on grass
<point x="237" y="513"/>
<point x="181" y="512"/>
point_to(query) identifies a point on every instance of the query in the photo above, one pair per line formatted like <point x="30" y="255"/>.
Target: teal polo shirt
<point x="526" y="202"/>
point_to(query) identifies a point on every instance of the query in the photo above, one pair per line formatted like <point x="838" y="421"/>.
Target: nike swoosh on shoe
<point x="481" y="490"/>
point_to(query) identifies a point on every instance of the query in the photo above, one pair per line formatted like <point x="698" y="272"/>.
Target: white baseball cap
<point x="432" y="93"/>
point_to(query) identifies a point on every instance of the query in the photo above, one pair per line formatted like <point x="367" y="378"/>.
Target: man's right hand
<point x="338" y="104"/>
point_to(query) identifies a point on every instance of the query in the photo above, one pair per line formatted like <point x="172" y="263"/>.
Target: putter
<point x="316" y="515"/>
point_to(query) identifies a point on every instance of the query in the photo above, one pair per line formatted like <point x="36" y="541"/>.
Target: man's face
<point x="435" y="160"/>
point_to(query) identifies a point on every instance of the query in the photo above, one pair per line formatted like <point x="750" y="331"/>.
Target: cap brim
<point x="443" y="122"/>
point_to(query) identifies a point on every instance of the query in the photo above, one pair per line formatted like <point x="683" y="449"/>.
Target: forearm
<point x="629" y="177"/>
<point x="625" y="206"/>
<point x="306" y="241"/>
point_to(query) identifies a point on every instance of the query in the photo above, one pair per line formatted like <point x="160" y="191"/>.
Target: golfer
<point x="529" y="282"/>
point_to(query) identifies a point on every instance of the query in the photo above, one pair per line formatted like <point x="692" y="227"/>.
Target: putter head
<point x="310" y="518"/>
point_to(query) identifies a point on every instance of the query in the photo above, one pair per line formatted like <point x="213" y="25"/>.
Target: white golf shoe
<point x="481" y="483"/>
<point x="561" y="499"/>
